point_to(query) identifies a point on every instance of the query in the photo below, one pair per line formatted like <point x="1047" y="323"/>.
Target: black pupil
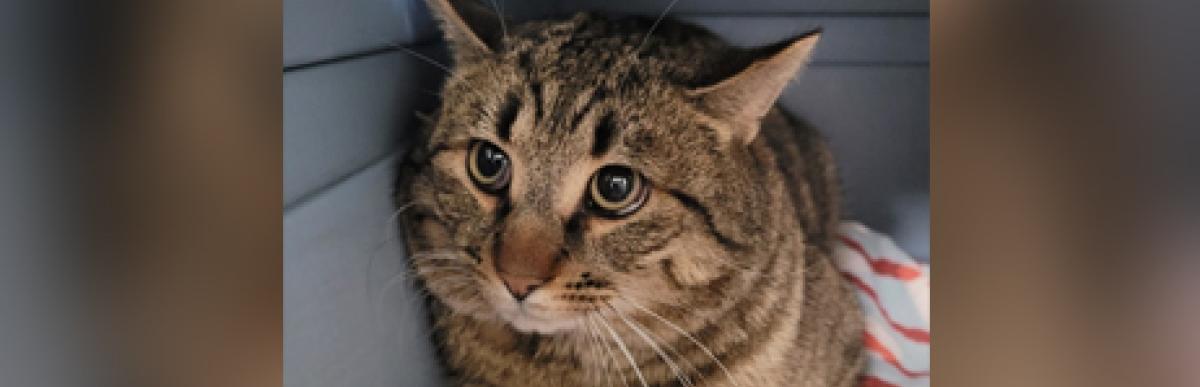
<point x="615" y="184"/>
<point x="490" y="161"/>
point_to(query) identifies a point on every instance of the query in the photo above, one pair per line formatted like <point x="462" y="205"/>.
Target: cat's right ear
<point x="471" y="29"/>
<point x="744" y="98"/>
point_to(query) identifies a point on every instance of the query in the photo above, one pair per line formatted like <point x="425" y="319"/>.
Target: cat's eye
<point x="488" y="166"/>
<point x="616" y="191"/>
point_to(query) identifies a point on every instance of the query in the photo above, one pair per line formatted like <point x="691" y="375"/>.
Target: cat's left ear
<point x="470" y="28"/>
<point x="744" y="98"/>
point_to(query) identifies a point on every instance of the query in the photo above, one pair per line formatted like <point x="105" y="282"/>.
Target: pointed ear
<point x="744" y="98"/>
<point x="470" y="28"/>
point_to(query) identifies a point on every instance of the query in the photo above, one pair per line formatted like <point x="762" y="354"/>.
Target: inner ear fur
<point x="744" y="98"/>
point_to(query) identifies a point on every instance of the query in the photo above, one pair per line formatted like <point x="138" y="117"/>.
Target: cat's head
<point x="580" y="165"/>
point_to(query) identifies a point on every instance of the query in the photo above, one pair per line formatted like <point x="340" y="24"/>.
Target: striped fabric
<point x="894" y="292"/>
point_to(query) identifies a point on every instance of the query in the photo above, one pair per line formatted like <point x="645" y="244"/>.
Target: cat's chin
<point x="545" y="327"/>
<point x="530" y="320"/>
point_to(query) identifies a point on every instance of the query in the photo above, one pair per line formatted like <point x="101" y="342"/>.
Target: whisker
<point x="427" y="258"/>
<point x="653" y="345"/>
<point x="425" y="118"/>
<point x="422" y="292"/>
<point x="443" y="270"/>
<point x="439" y="261"/>
<point x="500" y="15"/>
<point x="446" y="253"/>
<point x="671" y="350"/>
<point x="440" y="65"/>
<point x="601" y="348"/>
<point x="428" y="267"/>
<point x="442" y="251"/>
<point x="409" y="280"/>
<point x="591" y="344"/>
<point x="437" y="253"/>
<point x="415" y="292"/>
<point x="685" y="334"/>
<point x="654" y="26"/>
<point x="599" y="364"/>
<point x="608" y="348"/>
<point x="628" y="356"/>
<point x="390" y="233"/>
<point x="684" y="363"/>
<point x="378" y="302"/>
<point x="425" y="58"/>
<point x="392" y="228"/>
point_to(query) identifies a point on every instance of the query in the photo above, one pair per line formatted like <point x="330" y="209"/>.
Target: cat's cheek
<point x="433" y="235"/>
<point x="498" y="300"/>
<point x="701" y="265"/>
<point x="687" y="272"/>
<point x="476" y="302"/>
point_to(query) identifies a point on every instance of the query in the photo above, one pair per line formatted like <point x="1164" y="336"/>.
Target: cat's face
<point x="566" y="176"/>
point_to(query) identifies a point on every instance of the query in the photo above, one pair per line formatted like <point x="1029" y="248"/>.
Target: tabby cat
<point x="616" y="201"/>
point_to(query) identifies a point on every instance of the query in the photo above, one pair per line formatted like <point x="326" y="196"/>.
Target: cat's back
<point x="807" y="166"/>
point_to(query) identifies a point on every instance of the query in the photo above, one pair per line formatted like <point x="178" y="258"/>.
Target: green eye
<point x="488" y="166"/>
<point x="616" y="191"/>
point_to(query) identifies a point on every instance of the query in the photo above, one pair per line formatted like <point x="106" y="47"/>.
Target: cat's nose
<point x="520" y="286"/>
<point x="528" y="251"/>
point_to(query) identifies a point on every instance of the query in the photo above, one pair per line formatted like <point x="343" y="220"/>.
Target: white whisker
<point x="628" y="356"/>
<point x="426" y="59"/>
<point x="443" y="270"/>
<point x="439" y="65"/>
<point x="590" y="340"/>
<point x="500" y="15"/>
<point x="600" y="364"/>
<point x="685" y="334"/>
<point x="390" y="233"/>
<point x="611" y="356"/>
<point x="653" y="345"/>
<point x="440" y="262"/>
<point x="425" y="258"/>
<point x="654" y="26"/>
<point x="414" y="293"/>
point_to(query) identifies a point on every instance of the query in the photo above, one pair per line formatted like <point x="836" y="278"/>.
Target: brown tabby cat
<point x="599" y="202"/>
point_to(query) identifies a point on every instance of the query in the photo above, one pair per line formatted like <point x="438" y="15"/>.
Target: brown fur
<point x="730" y="247"/>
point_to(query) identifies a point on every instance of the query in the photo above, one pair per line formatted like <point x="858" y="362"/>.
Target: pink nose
<point x="520" y="286"/>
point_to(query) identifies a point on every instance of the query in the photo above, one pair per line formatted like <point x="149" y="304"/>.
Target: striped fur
<point x="722" y="277"/>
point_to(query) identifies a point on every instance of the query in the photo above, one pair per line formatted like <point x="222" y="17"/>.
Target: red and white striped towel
<point x="894" y="292"/>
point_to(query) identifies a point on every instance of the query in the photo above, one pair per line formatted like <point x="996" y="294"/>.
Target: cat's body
<point x="711" y="269"/>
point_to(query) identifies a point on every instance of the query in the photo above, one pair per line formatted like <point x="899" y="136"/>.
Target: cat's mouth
<point x="537" y="314"/>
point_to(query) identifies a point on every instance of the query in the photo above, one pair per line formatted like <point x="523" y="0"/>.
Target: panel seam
<point x="315" y="192"/>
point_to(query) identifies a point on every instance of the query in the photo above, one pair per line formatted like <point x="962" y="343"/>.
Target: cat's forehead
<point x="592" y="49"/>
<point x="566" y="52"/>
<point x="575" y="88"/>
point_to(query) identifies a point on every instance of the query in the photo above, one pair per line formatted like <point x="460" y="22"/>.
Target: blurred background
<point x="143" y="158"/>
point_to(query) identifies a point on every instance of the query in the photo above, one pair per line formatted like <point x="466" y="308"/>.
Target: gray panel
<point x="877" y="120"/>
<point x="655" y="7"/>
<point x="845" y="39"/>
<point x="318" y="29"/>
<point x="521" y="10"/>
<point x="346" y="323"/>
<point x="339" y="117"/>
